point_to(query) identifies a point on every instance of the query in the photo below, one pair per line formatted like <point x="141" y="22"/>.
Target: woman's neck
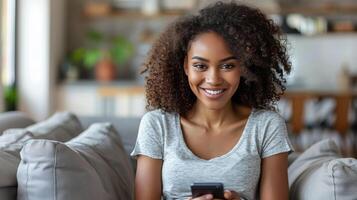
<point x="216" y="118"/>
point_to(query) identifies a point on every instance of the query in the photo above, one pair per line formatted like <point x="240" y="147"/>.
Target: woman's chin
<point x="215" y="105"/>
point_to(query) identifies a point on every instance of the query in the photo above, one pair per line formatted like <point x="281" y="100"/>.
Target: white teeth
<point x="213" y="92"/>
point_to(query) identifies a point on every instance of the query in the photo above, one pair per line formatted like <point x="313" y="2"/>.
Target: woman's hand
<point x="228" y="194"/>
<point x="203" y="197"/>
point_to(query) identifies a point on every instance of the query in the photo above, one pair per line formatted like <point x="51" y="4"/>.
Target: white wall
<point x="7" y="49"/>
<point x="57" y="46"/>
<point x="1" y="58"/>
<point x="317" y="60"/>
<point x="1" y="94"/>
<point x="37" y="59"/>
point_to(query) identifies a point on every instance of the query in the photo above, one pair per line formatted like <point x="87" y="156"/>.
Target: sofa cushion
<point x="14" y="119"/>
<point x="321" y="173"/>
<point x="8" y="193"/>
<point x="61" y="126"/>
<point x="93" y="165"/>
<point x="292" y="157"/>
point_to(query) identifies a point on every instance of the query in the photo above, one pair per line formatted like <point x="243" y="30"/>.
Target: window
<point x="8" y="54"/>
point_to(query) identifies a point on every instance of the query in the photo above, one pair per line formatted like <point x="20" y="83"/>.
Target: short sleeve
<point x="276" y="139"/>
<point x="149" y="141"/>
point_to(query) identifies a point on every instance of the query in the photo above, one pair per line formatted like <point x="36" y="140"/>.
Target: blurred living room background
<point x="84" y="56"/>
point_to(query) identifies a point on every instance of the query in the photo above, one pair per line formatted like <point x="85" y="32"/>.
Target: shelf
<point x="328" y="9"/>
<point x="94" y="83"/>
<point x="134" y="14"/>
<point x="351" y="34"/>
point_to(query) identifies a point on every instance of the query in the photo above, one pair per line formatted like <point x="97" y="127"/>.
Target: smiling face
<point x="213" y="71"/>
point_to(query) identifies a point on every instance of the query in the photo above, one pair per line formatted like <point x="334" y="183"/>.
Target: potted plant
<point x="103" y="56"/>
<point x="10" y="96"/>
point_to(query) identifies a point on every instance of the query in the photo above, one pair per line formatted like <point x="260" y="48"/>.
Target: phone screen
<point x="199" y="189"/>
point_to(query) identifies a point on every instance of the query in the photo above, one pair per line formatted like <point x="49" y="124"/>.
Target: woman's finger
<point x="204" y="197"/>
<point x="231" y="195"/>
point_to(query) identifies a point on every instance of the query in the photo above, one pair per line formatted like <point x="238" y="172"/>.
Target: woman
<point x="213" y="79"/>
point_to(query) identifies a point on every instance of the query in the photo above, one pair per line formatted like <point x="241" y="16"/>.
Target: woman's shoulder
<point x="158" y="114"/>
<point x="159" y="121"/>
<point x="266" y="115"/>
<point x="267" y="123"/>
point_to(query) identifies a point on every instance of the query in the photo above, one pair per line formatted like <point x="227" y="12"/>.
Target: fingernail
<point x="208" y="196"/>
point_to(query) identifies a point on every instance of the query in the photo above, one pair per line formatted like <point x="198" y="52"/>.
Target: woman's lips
<point x="213" y="93"/>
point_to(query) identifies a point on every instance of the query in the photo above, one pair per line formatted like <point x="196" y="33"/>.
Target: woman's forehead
<point x="209" y="43"/>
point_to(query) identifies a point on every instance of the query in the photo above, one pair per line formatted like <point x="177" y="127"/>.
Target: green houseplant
<point x="102" y="55"/>
<point x="10" y="97"/>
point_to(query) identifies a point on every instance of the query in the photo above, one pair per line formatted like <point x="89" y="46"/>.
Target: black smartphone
<point x="199" y="189"/>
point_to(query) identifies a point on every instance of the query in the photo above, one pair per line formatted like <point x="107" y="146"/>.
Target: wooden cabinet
<point x="299" y="98"/>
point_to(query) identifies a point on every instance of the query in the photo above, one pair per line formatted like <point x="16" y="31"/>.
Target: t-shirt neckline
<point x="188" y="150"/>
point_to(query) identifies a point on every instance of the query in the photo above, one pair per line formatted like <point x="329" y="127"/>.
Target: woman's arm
<point x="274" y="178"/>
<point x="148" y="178"/>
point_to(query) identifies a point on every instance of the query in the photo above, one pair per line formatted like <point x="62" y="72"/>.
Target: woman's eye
<point x="199" y="67"/>
<point x="227" y="66"/>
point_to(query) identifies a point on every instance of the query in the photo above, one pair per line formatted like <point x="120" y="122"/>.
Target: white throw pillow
<point x="92" y="166"/>
<point x="321" y="173"/>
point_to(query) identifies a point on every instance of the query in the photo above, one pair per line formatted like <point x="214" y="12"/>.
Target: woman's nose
<point x="213" y="77"/>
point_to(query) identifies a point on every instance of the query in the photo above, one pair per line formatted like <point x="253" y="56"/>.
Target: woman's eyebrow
<point x="200" y="58"/>
<point x="206" y="60"/>
<point x="228" y="58"/>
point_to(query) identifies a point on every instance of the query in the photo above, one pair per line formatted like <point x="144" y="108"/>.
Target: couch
<point x="70" y="157"/>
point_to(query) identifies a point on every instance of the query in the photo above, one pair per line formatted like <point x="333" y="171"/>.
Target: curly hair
<point x="255" y="40"/>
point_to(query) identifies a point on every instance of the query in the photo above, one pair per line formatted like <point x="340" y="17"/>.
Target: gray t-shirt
<point x="160" y="137"/>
